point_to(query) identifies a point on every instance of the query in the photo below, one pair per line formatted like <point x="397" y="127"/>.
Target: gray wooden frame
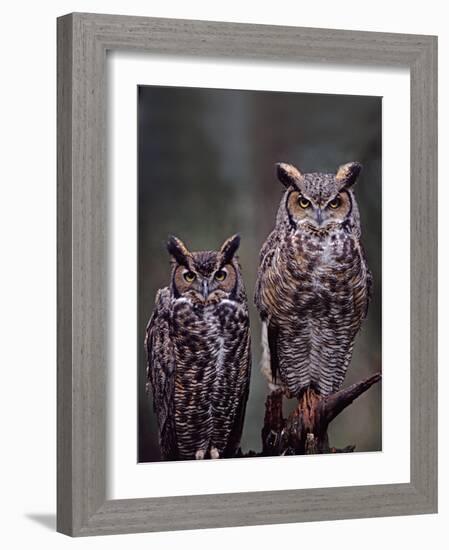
<point x="83" y="40"/>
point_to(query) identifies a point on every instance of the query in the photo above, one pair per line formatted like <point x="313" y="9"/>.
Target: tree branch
<point x="273" y="425"/>
<point x="305" y="430"/>
<point x="334" y="404"/>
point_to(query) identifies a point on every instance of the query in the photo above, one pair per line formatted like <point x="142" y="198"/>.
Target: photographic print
<point x="260" y="273"/>
<point x="261" y="331"/>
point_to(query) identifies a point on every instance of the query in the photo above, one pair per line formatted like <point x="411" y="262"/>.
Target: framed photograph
<point x="247" y="274"/>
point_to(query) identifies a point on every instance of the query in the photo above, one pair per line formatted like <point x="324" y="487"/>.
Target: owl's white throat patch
<point x="183" y="300"/>
<point x="228" y="301"/>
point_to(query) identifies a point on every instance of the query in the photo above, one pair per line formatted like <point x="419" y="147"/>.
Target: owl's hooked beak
<point x="319" y="216"/>
<point x="205" y="289"/>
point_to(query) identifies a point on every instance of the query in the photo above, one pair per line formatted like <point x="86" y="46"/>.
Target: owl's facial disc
<point x="193" y="284"/>
<point x="205" y="287"/>
<point x="320" y="213"/>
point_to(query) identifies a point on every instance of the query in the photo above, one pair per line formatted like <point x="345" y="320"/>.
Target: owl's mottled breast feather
<point x="313" y="290"/>
<point x="207" y="357"/>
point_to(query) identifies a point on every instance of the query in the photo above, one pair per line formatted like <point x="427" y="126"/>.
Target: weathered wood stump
<point x="305" y="430"/>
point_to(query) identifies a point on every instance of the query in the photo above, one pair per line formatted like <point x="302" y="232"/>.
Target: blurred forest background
<point x="206" y="171"/>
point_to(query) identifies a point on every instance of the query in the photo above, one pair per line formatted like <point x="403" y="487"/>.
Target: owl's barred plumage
<point x="198" y="354"/>
<point x="314" y="284"/>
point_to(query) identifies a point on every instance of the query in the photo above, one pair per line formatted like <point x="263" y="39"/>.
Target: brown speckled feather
<point x="199" y="360"/>
<point x="160" y="372"/>
<point x="313" y="285"/>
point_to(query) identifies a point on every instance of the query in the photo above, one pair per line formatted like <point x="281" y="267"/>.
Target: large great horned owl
<point x="313" y="284"/>
<point x="198" y="354"/>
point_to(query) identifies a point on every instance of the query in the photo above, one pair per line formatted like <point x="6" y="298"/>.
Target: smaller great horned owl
<point x="313" y="284"/>
<point x="198" y="354"/>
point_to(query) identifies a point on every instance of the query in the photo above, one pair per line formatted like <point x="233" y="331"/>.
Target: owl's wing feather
<point x="265" y="266"/>
<point x="273" y="335"/>
<point x="244" y="360"/>
<point x="161" y="374"/>
<point x="369" y="279"/>
<point x="264" y="282"/>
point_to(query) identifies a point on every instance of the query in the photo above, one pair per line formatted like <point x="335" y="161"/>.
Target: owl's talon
<point x="200" y="454"/>
<point x="214" y="453"/>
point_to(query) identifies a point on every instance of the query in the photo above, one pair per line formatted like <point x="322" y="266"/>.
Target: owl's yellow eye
<point x="220" y="275"/>
<point x="335" y="203"/>
<point x="189" y="276"/>
<point x="303" y="203"/>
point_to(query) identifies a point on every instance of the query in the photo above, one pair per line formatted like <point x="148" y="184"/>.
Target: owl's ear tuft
<point x="347" y="174"/>
<point x="229" y="248"/>
<point x="288" y="174"/>
<point x="178" y="251"/>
